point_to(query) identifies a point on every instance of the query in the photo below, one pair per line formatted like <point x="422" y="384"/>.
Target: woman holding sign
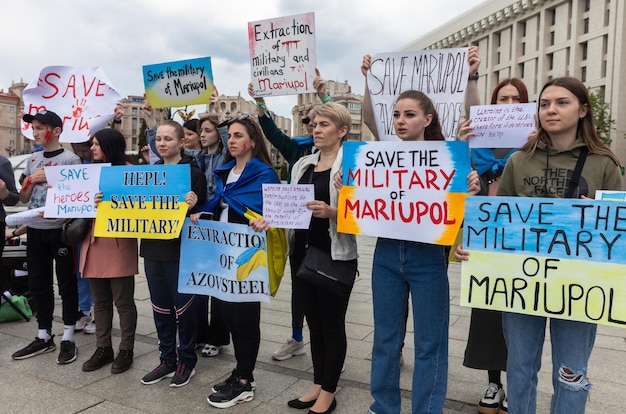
<point x="240" y="180"/>
<point x="110" y="265"/>
<point x="566" y="137"/>
<point x="404" y="267"/>
<point x="486" y="348"/>
<point x="174" y="313"/>
<point x="325" y="309"/>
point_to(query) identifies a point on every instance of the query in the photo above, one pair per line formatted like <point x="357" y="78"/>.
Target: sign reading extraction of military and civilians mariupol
<point x="559" y="258"/>
<point x="143" y="201"/>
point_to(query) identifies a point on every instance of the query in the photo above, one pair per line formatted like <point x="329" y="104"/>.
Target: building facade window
<point x="586" y="25"/>
<point x="583" y="50"/>
<point x="583" y="74"/>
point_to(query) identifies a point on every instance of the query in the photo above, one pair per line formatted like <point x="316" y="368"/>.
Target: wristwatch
<point x="473" y="77"/>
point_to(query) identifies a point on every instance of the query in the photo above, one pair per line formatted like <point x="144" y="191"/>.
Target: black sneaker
<point x="228" y="382"/>
<point x="68" y="353"/>
<point x="182" y="376"/>
<point x="102" y="356"/>
<point x="162" y="371"/>
<point x="236" y="393"/>
<point x="38" y="346"/>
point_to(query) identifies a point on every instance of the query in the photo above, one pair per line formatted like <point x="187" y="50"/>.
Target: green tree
<point x="602" y="115"/>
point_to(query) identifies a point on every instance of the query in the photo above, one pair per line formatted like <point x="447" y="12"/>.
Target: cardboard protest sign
<point x="72" y="190"/>
<point x="404" y="190"/>
<point x="284" y="205"/>
<point x="559" y="258"/>
<point x="282" y="55"/>
<point x="502" y="126"/>
<point x="143" y="201"/>
<point x="180" y="83"/>
<point x="441" y="74"/>
<point x="84" y="98"/>
<point x="224" y="260"/>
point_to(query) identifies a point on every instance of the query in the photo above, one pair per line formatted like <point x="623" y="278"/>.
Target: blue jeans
<point x="85" y="300"/>
<point x="172" y="311"/>
<point x="399" y="268"/>
<point x="571" y="342"/>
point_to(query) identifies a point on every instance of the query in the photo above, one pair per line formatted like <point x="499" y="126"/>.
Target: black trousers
<point x="44" y="250"/>
<point x="212" y="332"/>
<point x="243" y="321"/>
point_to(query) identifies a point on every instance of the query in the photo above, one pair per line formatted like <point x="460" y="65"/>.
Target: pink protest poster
<point x="84" y="98"/>
<point x="282" y="55"/>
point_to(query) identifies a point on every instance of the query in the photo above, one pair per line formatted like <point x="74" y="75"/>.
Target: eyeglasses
<point x="306" y="120"/>
<point x="241" y="117"/>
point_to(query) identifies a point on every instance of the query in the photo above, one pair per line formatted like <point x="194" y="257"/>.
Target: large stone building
<point x="536" y="40"/>
<point x="341" y="92"/>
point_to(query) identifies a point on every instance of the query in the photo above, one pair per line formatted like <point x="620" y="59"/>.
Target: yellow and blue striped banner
<point x="559" y="258"/>
<point x="143" y="201"/>
<point x="404" y="190"/>
<point x="180" y="83"/>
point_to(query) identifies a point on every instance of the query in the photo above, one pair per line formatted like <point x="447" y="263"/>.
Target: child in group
<point x="566" y="132"/>
<point x="45" y="247"/>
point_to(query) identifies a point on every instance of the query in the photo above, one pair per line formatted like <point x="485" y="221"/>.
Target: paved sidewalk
<point x="39" y="385"/>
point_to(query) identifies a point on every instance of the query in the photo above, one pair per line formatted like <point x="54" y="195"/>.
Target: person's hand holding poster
<point x="84" y="98"/>
<point x="282" y="55"/>
<point x="143" y="201"/>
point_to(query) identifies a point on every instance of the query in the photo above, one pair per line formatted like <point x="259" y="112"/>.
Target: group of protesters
<point x="229" y="162"/>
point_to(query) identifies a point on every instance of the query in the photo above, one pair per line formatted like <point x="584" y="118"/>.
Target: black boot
<point x="102" y="356"/>
<point x="123" y="361"/>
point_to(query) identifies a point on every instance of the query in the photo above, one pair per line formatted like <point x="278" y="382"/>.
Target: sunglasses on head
<point x="306" y="120"/>
<point x="241" y="117"/>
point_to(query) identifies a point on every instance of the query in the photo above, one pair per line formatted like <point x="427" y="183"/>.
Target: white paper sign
<point x="72" y="191"/>
<point x="284" y="205"/>
<point x="282" y="55"/>
<point x="440" y="74"/>
<point x="83" y="98"/>
<point x="23" y="217"/>
<point x="502" y="126"/>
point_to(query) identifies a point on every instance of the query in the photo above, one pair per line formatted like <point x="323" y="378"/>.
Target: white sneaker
<point x="82" y="322"/>
<point x="289" y="349"/>
<point x="210" y="350"/>
<point x="90" y="328"/>
<point x="489" y="404"/>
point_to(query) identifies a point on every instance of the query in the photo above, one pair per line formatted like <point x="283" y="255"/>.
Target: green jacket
<point x="547" y="171"/>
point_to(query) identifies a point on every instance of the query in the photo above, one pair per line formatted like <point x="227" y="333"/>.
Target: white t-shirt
<point x="232" y="177"/>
